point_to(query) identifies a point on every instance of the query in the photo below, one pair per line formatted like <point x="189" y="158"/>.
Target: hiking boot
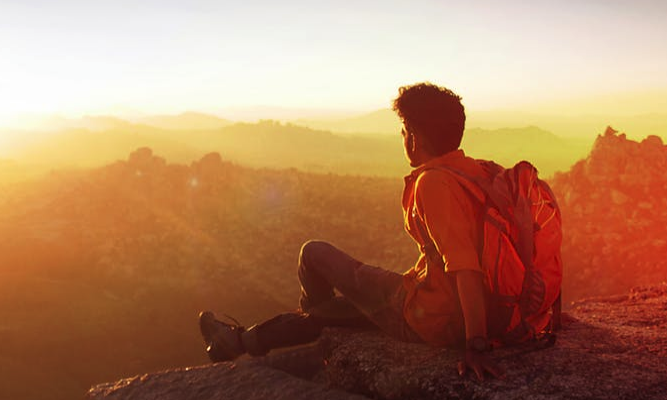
<point x="223" y="340"/>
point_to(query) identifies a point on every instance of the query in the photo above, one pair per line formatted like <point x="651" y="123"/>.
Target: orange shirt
<point x="451" y="219"/>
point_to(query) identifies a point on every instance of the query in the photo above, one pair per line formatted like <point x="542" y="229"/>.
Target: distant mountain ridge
<point x="189" y="120"/>
<point x="507" y="146"/>
<point x="581" y="126"/>
<point x="383" y="121"/>
<point x="642" y="113"/>
<point x="284" y="145"/>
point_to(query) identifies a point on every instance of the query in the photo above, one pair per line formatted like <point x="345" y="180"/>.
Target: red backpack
<point x="520" y="254"/>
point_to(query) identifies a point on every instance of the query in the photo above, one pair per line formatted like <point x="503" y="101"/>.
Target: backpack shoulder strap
<point x="430" y="249"/>
<point x="492" y="192"/>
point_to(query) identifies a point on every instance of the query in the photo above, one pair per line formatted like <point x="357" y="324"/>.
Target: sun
<point x="5" y="119"/>
<point x="11" y="108"/>
<point x="10" y="134"/>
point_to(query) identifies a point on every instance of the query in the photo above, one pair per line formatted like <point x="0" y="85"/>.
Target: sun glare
<point x="5" y="118"/>
<point x="6" y="136"/>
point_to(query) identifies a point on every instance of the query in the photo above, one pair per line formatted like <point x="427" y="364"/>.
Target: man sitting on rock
<point x="439" y="302"/>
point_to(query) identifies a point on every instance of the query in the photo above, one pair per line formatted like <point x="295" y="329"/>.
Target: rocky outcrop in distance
<point x="614" y="206"/>
<point x="611" y="347"/>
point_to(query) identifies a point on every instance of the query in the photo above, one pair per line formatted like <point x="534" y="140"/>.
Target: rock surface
<point x="612" y="347"/>
<point x="248" y="379"/>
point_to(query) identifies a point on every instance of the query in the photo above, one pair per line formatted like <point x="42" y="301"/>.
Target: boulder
<point x="610" y="347"/>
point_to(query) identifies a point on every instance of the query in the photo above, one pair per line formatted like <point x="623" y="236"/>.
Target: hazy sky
<point x="87" y="56"/>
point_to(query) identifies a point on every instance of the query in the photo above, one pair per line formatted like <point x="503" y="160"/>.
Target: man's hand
<point x="471" y="294"/>
<point x="479" y="362"/>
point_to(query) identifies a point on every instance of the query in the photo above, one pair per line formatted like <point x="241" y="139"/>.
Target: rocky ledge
<point x="612" y="347"/>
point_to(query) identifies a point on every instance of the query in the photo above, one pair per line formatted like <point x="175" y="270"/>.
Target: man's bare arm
<point x="470" y="286"/>
<point x="471" y="294"/>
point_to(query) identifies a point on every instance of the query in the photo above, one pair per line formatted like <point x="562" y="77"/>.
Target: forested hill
<point x="116" y="262"/>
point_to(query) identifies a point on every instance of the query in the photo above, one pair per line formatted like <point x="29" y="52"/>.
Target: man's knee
<point x="311" y="251"/>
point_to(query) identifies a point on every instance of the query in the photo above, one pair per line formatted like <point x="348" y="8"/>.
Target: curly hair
<point x="433" y="112"/>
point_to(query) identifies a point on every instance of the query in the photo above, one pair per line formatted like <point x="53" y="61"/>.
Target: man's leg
<point x="373" y="292"/>
<point x="323" y="267"/>
<point x="295" y="328"/>
<point x="371" y="297"/>
<point x="318" y="304"/>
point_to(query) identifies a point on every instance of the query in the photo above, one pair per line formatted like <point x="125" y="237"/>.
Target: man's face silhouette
<point x="408" y="144"/>
<point x="414" y="147"/>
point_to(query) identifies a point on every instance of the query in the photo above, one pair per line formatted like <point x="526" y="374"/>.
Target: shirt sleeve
<point x="450" y="219"/>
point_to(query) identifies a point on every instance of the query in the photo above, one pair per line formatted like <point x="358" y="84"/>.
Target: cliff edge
<point x="611" y="347"/>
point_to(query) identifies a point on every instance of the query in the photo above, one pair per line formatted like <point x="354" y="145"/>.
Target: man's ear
<point x="412" y="141"/>
<point x="410" y="131"/>
<point x="420" y="142"/>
